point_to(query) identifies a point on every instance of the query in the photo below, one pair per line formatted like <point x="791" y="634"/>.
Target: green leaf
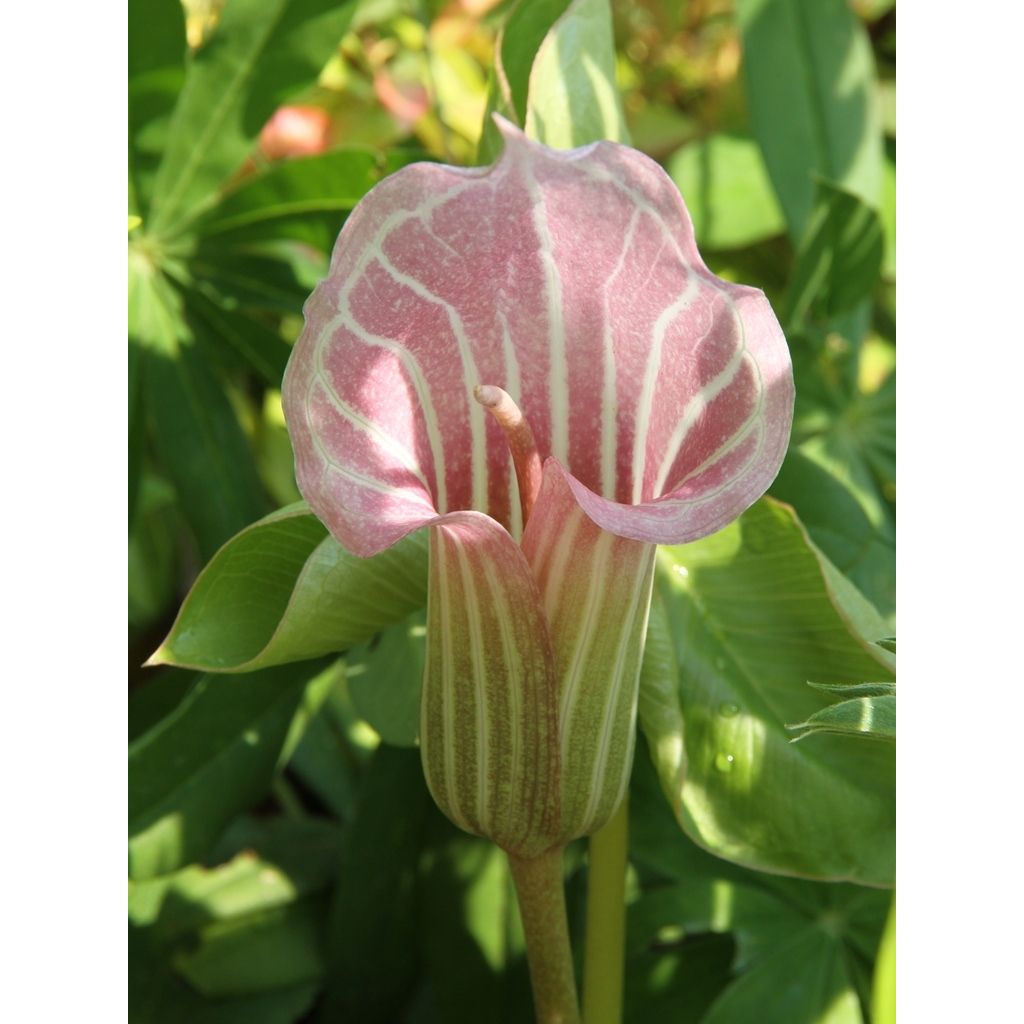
<point x="156" y="71"/>
<point x="152" y="568"/>
<point x="284" y="590"/>
<point x="756" y="610"/>
<point x="202" y="449"/>
<point x="727" y="191"/>
<point x="810" y="83"/>
<point x="243" y="926"/>
<point x="275" y="949"/>
<point x="573" y="97"/>
<point x="210" y="759"/>
<point x="883" y="995"/>
<point x="840" y="257"/>
<point x="873" y="716"/>
<point x="838" y="524"/>
<point x="385" y="680"/>
<point x="261" y="52"/>
<point x="372" y="959"/>
<point x="470" y="934"/>
<point x="852" y="436"/>
<point x="329" y="183"/>
<point x="239" y="337"/>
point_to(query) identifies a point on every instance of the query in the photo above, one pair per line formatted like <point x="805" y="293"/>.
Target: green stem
<point x="606" y="921"/>
<point x="540" y="889"/>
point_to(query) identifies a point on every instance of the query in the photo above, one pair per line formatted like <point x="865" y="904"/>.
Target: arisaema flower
<point x="532" y="360"/>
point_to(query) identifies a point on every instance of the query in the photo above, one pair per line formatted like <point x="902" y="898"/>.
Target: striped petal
<point x="571" y="280"/>
<point x="488" y="733"/>
<point x="596" y="592"/>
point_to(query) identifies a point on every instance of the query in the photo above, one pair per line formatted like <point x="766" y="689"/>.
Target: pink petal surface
<point x="571" y="280"/>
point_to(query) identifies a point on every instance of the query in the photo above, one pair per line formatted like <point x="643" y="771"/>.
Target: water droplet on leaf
<point x="724" y="762"/>
<point x="729" y="710"/>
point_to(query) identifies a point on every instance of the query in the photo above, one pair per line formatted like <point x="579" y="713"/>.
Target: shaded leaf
<point x="870" y="716"/>
<point x="840" y="257"/>
<point x="202" y="449"/>
<point x="372" y="960"/>
<point x="810" y="83"/>
<point x="755" y="611"/>
<point x="210" y="759"/>
<point x="385" y="680"/>
<point x="284" y="590"/>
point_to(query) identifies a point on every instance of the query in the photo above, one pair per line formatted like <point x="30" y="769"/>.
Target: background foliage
<point x="286" y="862"/>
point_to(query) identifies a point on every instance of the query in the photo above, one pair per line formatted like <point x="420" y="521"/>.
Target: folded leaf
<point x="283" y="590"/>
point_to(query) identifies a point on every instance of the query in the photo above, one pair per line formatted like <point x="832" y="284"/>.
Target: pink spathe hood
<point x="571" y="280"/>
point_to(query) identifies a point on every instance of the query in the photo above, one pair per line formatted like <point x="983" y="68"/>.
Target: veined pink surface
<point x="661" y="401"/>
<point x="571" y="280"/>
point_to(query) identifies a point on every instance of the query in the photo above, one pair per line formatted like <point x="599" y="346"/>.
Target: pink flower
<point x="660" y="400"/>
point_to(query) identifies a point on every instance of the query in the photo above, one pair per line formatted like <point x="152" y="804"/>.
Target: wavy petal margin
<point x="489" y="731"/>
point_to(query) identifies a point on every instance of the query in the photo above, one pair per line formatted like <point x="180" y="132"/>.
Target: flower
<point x="566" y="285"/>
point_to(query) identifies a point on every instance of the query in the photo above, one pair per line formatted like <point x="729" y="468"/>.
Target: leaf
<point x="755" y="611"/>
<point x="835" y="927"/>
<point x="261" y="52"/>
<point x="329" y="183"/>
<point x="283" y="590"/>
<point x="242" y="337"/>
<point x="810" y="83"/>
<point x="210" y="759"/>
<point x="835" y="518"/>
<point x="470" y="934"/>
<point x="385" y="680"/>
<point x="219" y="925"/>
<point x="727" y="191"/>
<point x="573" y="98"/>
<point x="883" y="996"/>
<point x="840" y="257"/>
<point x="872" y="716"/>
<point x="202" y="449"/>
<point x="372" y="959"/>
<point x="156" y="71"/>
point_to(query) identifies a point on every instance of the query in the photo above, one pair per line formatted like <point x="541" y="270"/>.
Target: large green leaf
<point x="261" y="52"/>
<point x="285" y="590"/>
<point x="756" y="611"/>
<point x="208" y="760"/>
<point x="385" y="680"/>
<point x="727" y="191"/>
<point x="470" y="933"/>
<point x="835" y="928"/>
<point x="836" y="519"/>
<point x="810" y="81"/>
<point x="372" y="959"/>
<point x="156" y="70"/>
<point x="201" y="447"/>
<point x="840" y="257"/>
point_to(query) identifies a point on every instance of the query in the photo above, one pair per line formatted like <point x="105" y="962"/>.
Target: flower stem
<point x="540" y="889"/>
<point x="606" y="921"/>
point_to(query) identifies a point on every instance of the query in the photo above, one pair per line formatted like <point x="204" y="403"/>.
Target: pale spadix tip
<point x="521" y="442"/>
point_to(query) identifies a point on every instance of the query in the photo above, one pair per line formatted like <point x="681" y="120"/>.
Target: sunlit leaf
<point x="727" y="191"/>
<point x="283" y="590"/>
<point x="756" y="611"/>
